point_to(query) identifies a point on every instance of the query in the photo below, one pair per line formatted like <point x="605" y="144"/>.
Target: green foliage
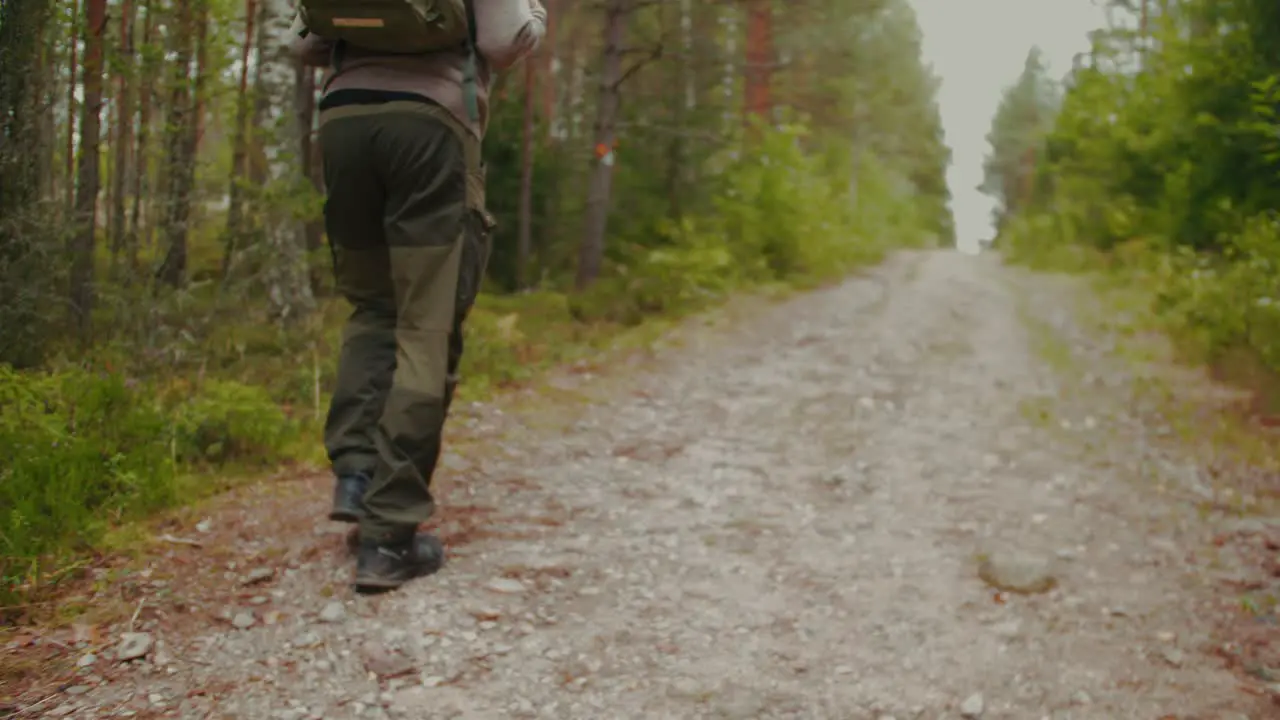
<point x="779" y="214"/>
<point x="228" y="421"/>
<point x="1163" y="163"/>
<point x="783" y="210"/>
<point x="228" y="370"/>
<point x="30" y="274"/>
<point x="1025" y="115"/>
<point x="1230" y="301"/>
<point x="81" y="449"/>
<point x="87" y="448"/>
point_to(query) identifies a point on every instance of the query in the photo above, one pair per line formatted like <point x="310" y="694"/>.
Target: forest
<point x="1157" y="157"/>
<point x="169" y="323"/>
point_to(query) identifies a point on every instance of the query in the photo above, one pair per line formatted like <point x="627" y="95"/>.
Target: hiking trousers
<point x="410" y="236"/>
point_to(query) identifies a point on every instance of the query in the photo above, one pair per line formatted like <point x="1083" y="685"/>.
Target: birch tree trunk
<point x="72" y="74"/>
<point x="285" y="272"/>
<point x="729" y="80"/>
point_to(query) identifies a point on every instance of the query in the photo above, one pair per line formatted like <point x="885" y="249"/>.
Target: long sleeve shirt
<point x="506" y="31"/>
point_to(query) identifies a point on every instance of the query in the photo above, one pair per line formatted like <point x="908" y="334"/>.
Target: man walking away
<point x="402" y="116"/>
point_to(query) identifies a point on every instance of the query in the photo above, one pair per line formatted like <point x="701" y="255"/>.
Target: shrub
<point x="229" y="422"/>
<point x="80" y="449"/>
<point x="1231" y="300"/>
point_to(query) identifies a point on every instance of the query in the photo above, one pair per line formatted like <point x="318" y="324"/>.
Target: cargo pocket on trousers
<point x="476" y="246"/>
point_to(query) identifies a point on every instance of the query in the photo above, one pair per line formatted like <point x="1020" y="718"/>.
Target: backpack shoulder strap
<point x="471" y="70"/>
<point x="470" y="5"/>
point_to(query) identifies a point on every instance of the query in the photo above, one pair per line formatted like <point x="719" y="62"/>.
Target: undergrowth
<point x="208" y="387"/>
<point x="1167" y="307"/>
<point x="1220" y="310"/>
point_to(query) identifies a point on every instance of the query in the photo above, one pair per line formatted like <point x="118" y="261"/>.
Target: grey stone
<point x="333" y="612"/>
<point x="973" y="706"/>
<point x="259" y="575"/>
<point x="1017" y="572"/>
<point x="506" y="586"/>
<point x="306" y="640"/>
<point x="134" y="646"/>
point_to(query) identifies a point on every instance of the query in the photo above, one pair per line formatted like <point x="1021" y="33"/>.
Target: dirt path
<point x="782" y="519"/>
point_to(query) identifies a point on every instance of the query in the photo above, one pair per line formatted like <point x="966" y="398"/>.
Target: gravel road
<point x="877" y="500"/>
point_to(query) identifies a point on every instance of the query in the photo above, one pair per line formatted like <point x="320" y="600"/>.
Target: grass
<point x="1038" y="410"/>
<point x="1046" y="341"/>
<point x="260" y="370"/>
<point x="538" y="339"/>
<point x="1205" y="404"/>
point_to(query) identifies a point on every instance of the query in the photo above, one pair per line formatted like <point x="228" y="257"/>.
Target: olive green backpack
<point x="398" y="27"/>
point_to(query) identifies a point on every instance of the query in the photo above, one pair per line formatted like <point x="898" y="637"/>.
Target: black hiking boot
<point x="382" y="566"/>
<point x="348" y="498"/>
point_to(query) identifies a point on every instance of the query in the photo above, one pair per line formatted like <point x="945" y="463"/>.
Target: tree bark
<point x="235" y="229"/>
<point x="21" y="35"/>
<point x="142" y="154"/>
<point x="728" y="80"/>
<point x="550" y="67"/>
<point x="180" y="168"/>
<point x="124" y="132"/>
<point x="680" y="109"/>
<point x="260" y="108"/>
<point x="591" y="251"/>
<point x="26" y="92"/>
<point x="286" y="273"/>
<point x="305" y="114"/>
<point x="524" y="240"/>
<point x="759" y="59"/>
<point x="44" y="102"/>
<point x="72" y="73"/>
<point x="87" y="179"/>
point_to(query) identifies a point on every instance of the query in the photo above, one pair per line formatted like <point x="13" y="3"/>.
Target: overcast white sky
<point x="978" y="46"/>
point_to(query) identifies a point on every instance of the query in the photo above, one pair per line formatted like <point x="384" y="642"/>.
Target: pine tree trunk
<point x="680" y="109"/>
<point x="87" y="180"/>
<point x="25" y="90"/>
<point x="524" y="240"/>
<point x="22" y="24"/>
<point x="235" y="229"/>
<point x="591" y="251"/>
<point x="304" y="116"/>
<point x="124" y="132"/>
<point x="142" y="154"/>
<point x="44" y="98"/>
<point x="550" y="61"/>
<point x="759" y="59"/>
<point x="180" y="166"/>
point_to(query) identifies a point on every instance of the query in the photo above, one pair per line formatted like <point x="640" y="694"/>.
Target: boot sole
<point x="375" y="585"/>
<point x="345" y="515"/>
<point x="368" y="584"/>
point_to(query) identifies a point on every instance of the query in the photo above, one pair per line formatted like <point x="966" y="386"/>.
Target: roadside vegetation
<point x="169" y="326"/>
